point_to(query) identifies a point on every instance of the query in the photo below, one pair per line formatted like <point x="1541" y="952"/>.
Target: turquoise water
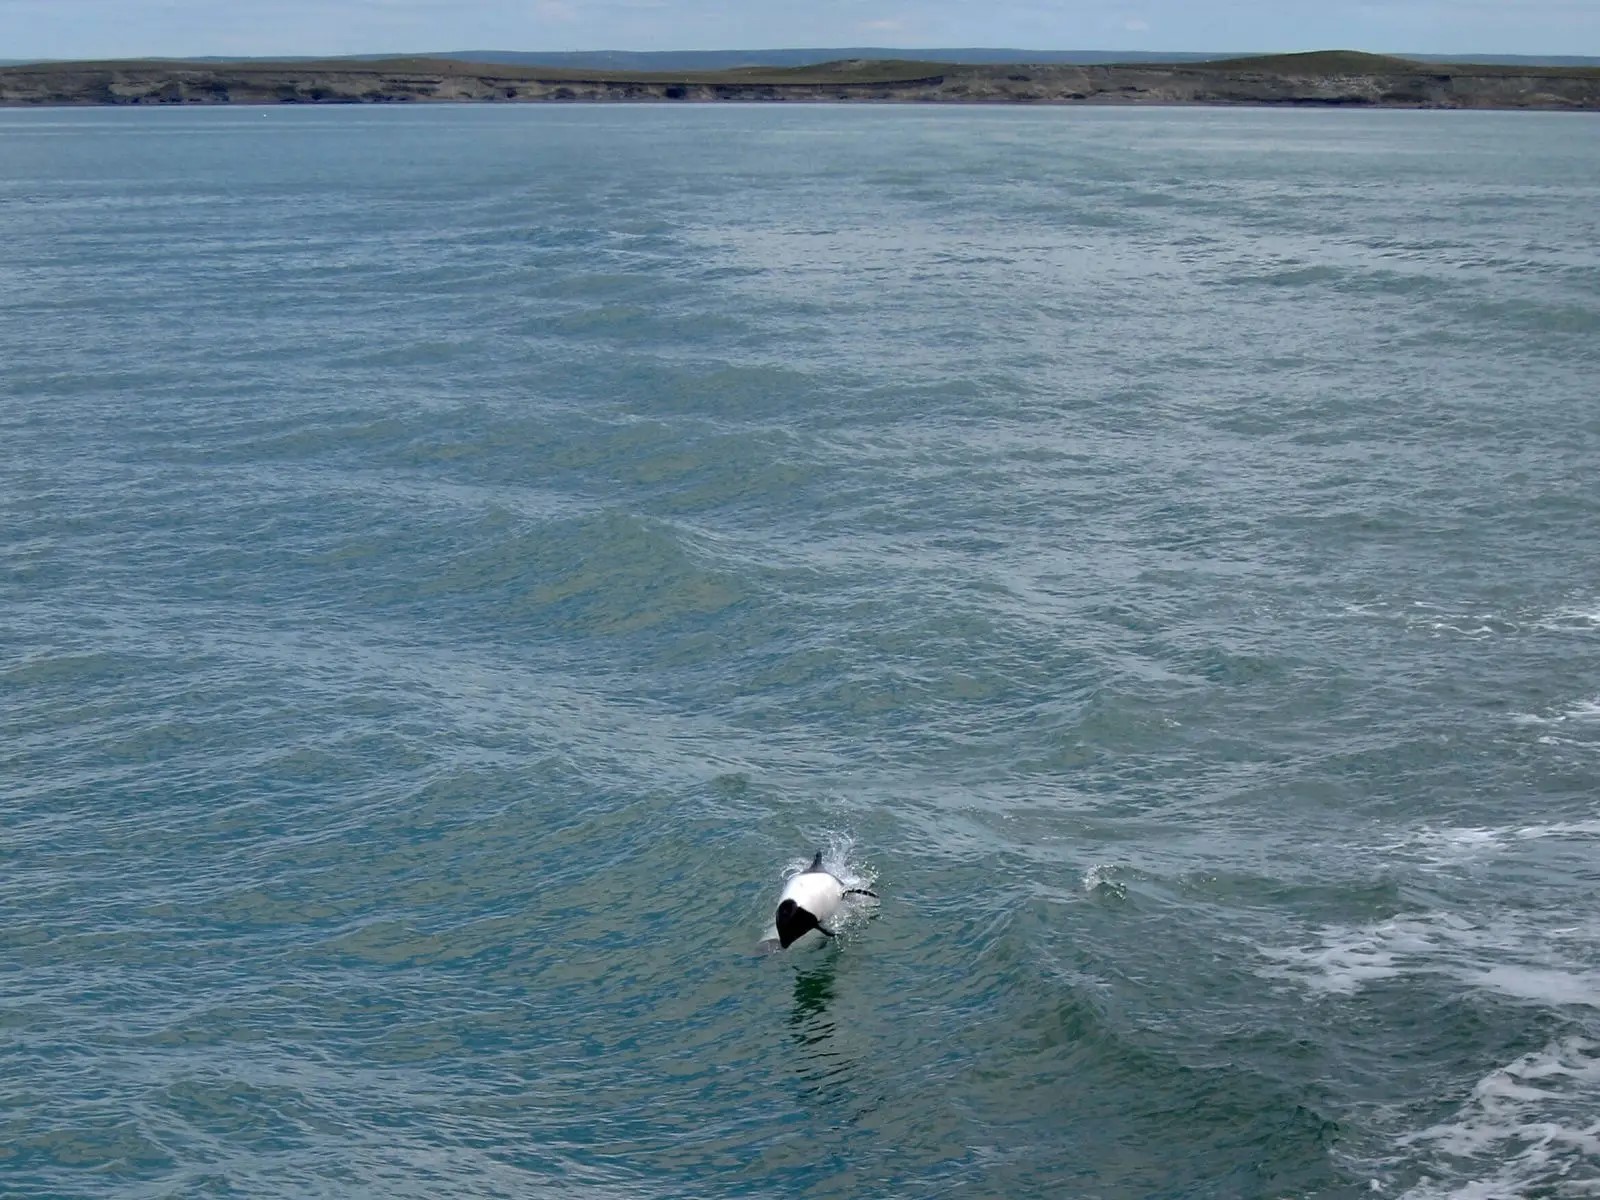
<point x="453" y="562"/>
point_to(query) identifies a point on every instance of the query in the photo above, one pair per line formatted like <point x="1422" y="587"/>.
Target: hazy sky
<point x="126" y="28"/>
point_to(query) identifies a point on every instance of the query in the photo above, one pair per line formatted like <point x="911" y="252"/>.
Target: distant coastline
<point x="1325" y="79"/>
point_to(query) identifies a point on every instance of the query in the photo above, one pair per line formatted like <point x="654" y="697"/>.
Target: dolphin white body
<point x="809" y="901"/>
<point x="818" y="892"/>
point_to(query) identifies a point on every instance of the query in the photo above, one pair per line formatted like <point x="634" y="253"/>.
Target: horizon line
<point x="853" y="49"/>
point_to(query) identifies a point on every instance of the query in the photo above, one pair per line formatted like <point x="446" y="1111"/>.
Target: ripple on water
<point x="440" y="601"/>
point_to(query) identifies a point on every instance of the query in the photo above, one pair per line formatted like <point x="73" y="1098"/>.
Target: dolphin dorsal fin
<point x="816" y="863"/>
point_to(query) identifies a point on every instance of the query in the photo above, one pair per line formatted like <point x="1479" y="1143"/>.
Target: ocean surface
<point x="455" y="561"/>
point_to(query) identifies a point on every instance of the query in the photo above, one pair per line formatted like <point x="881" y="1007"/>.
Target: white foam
<point x="1528" y="1129"/>
<point x="1578" y="617"/>
<point x="1543" y="985"/>
<point x="1584" y="712"/>
<point x="1476" y="625"/>
<point x="1470" y="838"/>
<point x="1468" y="624"/>
<point x="1588" y="828"/>
<point x="1345" y="961"/>
<point x="1577" y="725"/>
<point x="1512" y="956"/>
<point x="1453" y="846"/>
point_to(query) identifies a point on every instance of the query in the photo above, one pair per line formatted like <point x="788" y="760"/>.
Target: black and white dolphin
<point x="809" y="899"/>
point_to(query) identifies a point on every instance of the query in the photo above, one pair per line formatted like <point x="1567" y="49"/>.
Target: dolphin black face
<point x="793" y="923"/>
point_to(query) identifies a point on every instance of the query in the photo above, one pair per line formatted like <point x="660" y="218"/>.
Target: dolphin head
<point x="793" y="923"/>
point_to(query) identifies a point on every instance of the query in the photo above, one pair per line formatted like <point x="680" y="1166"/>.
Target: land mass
<point x="1326" y="78"/>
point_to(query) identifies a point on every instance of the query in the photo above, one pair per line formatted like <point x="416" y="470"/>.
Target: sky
<point x="153" y="28"/>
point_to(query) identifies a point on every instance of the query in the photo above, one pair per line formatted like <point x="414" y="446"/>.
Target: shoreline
<point x="1327" y="80"/>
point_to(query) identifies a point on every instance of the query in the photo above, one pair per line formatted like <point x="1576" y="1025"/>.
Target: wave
<point x="1456" y="846"/>
<point x="1478" y="622"/>
<point x="1514" y="956"/>
<point x="1527" y="1130"/>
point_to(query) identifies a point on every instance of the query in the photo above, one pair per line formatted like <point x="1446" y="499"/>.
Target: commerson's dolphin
<point x="809" y="899"/>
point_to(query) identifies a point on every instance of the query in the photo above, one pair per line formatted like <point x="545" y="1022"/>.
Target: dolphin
<point x="809" y="899"/>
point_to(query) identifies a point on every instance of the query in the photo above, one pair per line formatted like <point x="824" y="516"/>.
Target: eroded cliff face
<point x="187" y="83"/>
<point x="193" y="84"/>
<point x="1186" y="85"/>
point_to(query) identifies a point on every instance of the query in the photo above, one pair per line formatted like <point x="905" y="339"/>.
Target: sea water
<point x="454" y="559"/>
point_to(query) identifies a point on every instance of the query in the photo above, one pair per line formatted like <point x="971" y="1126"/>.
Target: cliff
<point x="1329" y="78"/>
